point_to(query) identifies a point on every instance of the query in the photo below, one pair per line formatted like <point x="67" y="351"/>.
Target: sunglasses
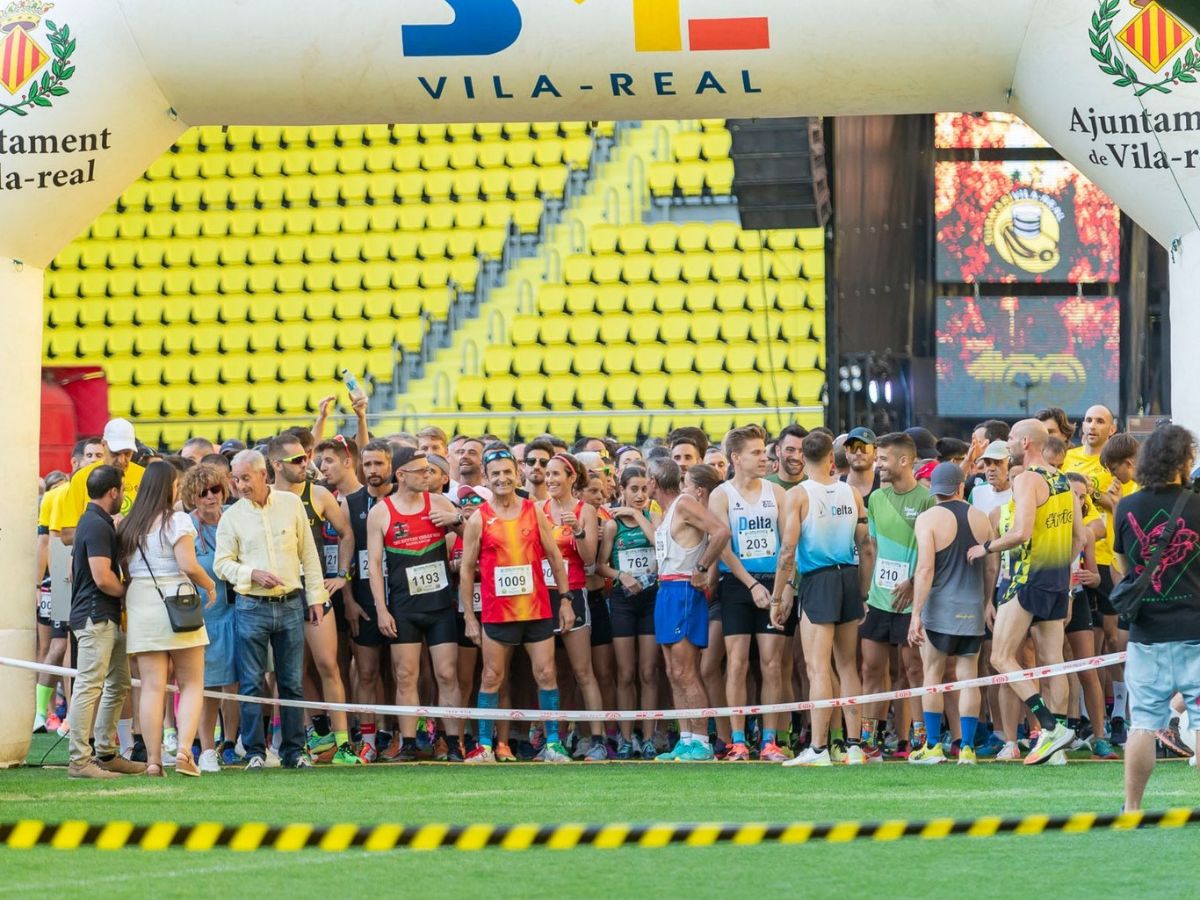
<point x="213" y="491"/>
<point x="540" y="463"/>
<point x="497" y="454"/>
<point x="299" y="459"/>
<point x="602" y="470"/>
<point x="424" y="470"/>
<point x="473" y="500"/>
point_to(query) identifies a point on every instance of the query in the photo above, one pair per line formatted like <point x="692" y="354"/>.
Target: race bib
<point x="513" y="581"/>
<point x="660" y="545"/>
<point x="889" y="575"/>
<point x="476" y="601"/>
<point x="427" y="579"/>
<point x="44" y="604"/>
<point x="757" y="543"/>
<point x="331" y="559"/>
<point x="637" y="562"/>
<point x="364" y="570"/>
<point x="548" y="571"/>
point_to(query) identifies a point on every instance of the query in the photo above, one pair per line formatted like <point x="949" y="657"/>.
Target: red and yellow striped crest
<point x="20" y="59"/>
<point x="1154" y="36"/>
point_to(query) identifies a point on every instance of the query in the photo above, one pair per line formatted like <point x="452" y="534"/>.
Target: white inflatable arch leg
<point x="1185" y="326"/>
<point x="20" y="373"/>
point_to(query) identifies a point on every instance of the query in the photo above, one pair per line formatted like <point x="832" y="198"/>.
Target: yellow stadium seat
<point x="719" y="177"/>
<point x="667" y="269"/>
<point x="577" y="269"/>
<point x="498" y="392"/>
<point x="679" y="358"/>
<point x="618" y="359"/>
<point x="682" y="389"/>
<point x="584" y="329"/>
<point x="637" y="268"/>
<point x="806" y="386"/>
<point x="638" y="299"/>
<point x="556" y="361"/>
<point x="727" y="266"/>
<point x="705" y="327"/>
<point x="662" y="179"/>
<point x="740" y="356"/>
<point x="700" y="298"/>
<point x="607" y="269"/>
<point x="714" y="390"/>
<point x="697" y="268"/>
<point x="590" y="391"/>
<point x="579" y="298"/>
<point x="530" y="393"/>
<point x="633" y="239"/>
<point x="588" y="360"/>
<point x="497" y="360"/>
<point x="523" y="183"/>
<point x="524" y="330"/>
<point x="554" y="330"/>
<point x="560" y="394"/>
<point x="622" y="390"/>
<point x="690" y="178"/>
<point x="652" y="390"/>
<point x="642" y="329"/>
<point x="767" y="327"/>
<point x="664" y="238"/>
<point x="735" y="326"/>
<point x="648" y="358"/>
<point x="686" y="146"/>
<point x="614" y="329"/>
<point x="716" y="145"/>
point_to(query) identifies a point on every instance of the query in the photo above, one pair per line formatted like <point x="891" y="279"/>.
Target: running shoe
<point x="388" y="754"/>
<point x="872" y="753"/>
<point x="55" y="722"/>
<point x="927" y="756"/>
<point x="673" y="755"/>
<point x="966" y="756"/>
<point x="697" y="751"/>
<point x="137" y="752"/>
<point x="273" y="760"/>
<point x="39" y="724"/>
<point x="811" y="758"/>
<point x="991" y="747"/>
<point x="577" y="747"/>
<point x="209" y="761"/>
<point x="303" y="761"/>
<point x="229" y="756"/>
<point x="661" y="742"/>
<point x="1102" y="749"/>
<point x="902" y="751"/>
<point x="625" y="750"/>
<point x="855" y="756"/>
<point x="345" y="756"/>
<point x="503" y="753"/>
<point x="440" y="749"/>
<point x="772" y="752"/>
<point x="720" y="749"/>
<point x="537" y="739"/>
<point x="1058" y="758"/>
<point x="406" y="750"/>
<point x="1170" y="738"/>
<point x="554" y="752"/>
<point x="837" y="752"/>
<point x="255" y="763"/>
<point x="481" y="754"/>
<point x="648" y="750"/>
<point x="454" y="752"/>
<point x="1116" y="731"/>
<point x="596" y="753"/>
<point x="321" y="747"/>
<point x="170" y="742"/>
<point x="1049" y="742"/>
<point x="1011" y="752"/>
<point x="738" y="752"/>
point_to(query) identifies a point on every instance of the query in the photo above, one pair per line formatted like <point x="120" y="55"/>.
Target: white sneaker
<point x="273" y="760"/>
<point x="1010" y="753"/>
<point x="810" y="757"/>
<point x="255" y="762"/>
<point x="209" y="761"/>
<point x="855" y="756"/>
<point x="1058" y="759"/>
<point x="170" y="743"/>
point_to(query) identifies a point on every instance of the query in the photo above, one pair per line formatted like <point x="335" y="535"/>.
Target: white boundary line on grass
<point x="575" y="715"/>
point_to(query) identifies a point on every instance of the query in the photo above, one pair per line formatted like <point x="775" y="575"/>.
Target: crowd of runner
<point x="680" y="573"/>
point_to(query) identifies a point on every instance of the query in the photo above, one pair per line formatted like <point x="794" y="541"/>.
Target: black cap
<point x="925" y="441"/>
<point x="232" y="446"/>
<point x="862" y="435"/>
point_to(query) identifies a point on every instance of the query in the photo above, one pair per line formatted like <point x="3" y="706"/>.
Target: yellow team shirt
<point x="1078" y="460"/>
<point x="46" y="509"/>
<point x="67" y="512"/>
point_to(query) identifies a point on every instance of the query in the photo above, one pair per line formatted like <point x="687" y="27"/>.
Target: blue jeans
<point x="281" y="625"/>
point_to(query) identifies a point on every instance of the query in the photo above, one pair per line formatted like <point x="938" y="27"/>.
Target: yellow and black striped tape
<point x="71" y="835"/>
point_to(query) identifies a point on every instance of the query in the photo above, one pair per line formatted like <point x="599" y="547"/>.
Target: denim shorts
<point x="1154" y="673"/>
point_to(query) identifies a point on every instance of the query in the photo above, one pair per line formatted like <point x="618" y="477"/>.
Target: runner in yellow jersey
<point x="1046" y="535"/>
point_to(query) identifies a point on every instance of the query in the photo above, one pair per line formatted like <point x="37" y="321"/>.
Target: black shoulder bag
<point x="1127" y="596"/>
<point x="183" y="607"/>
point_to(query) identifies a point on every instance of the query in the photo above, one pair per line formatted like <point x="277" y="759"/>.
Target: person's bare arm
<point x="105" y="578"/>
<point x="864" y="544"/>
<point x="185" y="558"/>
<point x="795" y="508"/>
<point x="377" y="523"/>
<point x="608" y="536"/>
<point x="926" y="535"/>
<point x="1078" y="529"/>
<point x="700" y="518"/>
<point x="323" y="408"/>
<point x="566" y="612"/>
<point x="466" y="576"/>
<point x="590" y="542"/>
<point x="1025" y="496"/>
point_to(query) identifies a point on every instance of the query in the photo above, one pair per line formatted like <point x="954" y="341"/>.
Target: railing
<point x="637" y="188"/>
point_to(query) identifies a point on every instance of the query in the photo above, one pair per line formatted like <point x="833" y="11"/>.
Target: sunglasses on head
<point x="540" y="463"/>
<point x="212" y="491"/>
<point x="497" y="454"/>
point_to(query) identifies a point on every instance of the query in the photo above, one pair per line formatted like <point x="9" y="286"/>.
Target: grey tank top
<point x="955" y="604"/>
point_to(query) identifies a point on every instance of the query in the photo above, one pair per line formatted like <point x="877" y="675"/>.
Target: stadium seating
<point x="249" y="265"/>
<point x="698" y="162"/>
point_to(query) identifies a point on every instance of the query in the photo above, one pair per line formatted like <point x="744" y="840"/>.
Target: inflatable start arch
<point x="92" y="91"/>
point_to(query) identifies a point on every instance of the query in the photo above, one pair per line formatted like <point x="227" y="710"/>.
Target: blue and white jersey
<point x="754" y="528"/>
<point x="827" y="532"/>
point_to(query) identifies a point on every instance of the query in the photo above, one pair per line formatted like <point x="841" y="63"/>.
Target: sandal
<point x="185" y="765"/>
<point x="154" y="771"/>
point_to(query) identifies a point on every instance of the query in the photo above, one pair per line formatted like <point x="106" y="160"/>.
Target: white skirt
<point x="148" y="627"/>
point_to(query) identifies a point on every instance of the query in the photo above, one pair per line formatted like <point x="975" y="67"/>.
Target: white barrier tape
<point x="576" y="715"/>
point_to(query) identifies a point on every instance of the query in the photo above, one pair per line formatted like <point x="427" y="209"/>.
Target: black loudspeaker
<point x="779" y="173"/>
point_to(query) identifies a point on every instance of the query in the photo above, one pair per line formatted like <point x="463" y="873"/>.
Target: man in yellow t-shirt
<point x="119" y="445"/>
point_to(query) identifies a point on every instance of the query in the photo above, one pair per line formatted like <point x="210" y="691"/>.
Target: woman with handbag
<point x="165" y="619"/>
<point x="204" y="489"/>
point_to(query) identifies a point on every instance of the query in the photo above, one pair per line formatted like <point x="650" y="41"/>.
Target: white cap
<point x="118" y="436"/>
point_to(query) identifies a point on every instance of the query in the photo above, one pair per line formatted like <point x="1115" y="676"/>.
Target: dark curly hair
<point x="1167" y="455"/>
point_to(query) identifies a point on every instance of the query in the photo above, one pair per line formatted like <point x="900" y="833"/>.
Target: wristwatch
<point x="701" y="568"/>
<point x="345" y="576"/>
<point x="987" y="546"/>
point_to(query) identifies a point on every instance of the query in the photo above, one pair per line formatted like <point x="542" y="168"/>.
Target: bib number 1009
<point x="513" y="581"/>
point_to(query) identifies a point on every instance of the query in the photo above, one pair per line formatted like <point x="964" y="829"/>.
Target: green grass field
<point x="1097" y="864"/>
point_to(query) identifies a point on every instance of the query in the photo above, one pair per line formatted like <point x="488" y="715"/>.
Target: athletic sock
<point x="739" y="737"/>
<point x="341" y="737"/>
<point x="549" y="700"/>
<point x="45" y="692"/>
<point x="918" y="734"/>
<point x="768" y="736"/>
<point x="1119" y="699"/>
<point x="369" y="734"/>
<point x="933" y="728"/>
<point x="1045" y="718"/>
<point x="487" y="701"/>
<point x="869" y="727"/>
<point x="835" y="735"/>
<point x="125" y="735"/>
<point x="322" y="725"/>
<point x="685" y="738"/>
<point x="969" y="724"/>
<point x="1074" y="725"/>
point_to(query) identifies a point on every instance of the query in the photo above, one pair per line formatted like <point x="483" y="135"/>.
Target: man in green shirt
<point x="791" y="459"/>
<point x="892" y="515"/>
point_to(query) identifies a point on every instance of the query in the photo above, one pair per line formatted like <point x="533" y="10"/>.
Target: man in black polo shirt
<point x="96" y="593"/>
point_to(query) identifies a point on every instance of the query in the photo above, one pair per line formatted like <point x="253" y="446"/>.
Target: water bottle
<point x="352" y="385"/>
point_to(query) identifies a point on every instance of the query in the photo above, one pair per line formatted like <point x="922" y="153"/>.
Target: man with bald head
<point x="1046" y="535"/>
<point x="1095" y="430"/>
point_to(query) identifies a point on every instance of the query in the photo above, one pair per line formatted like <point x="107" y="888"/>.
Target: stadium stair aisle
<point x="621" y="313"/>
<point x="250" y="265"/>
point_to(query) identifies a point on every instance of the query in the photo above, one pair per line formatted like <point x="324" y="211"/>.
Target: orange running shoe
<point x="503" y="753"/>
<point x="738" y="753"/>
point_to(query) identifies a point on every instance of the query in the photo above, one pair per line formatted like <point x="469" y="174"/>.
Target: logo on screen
<point x="27" y="72"/>
<point x="1154" y="37"/>
<point x="1023" y="229"/>
<point x="486" y="27"/>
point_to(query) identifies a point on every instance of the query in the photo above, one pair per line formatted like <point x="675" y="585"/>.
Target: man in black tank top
<point x="950" y="596"/>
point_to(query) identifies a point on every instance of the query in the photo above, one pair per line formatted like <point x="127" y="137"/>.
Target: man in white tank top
<point x="688" y="543"/>
<point x="751" y="505"/>
<point x="825" y="538"/>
